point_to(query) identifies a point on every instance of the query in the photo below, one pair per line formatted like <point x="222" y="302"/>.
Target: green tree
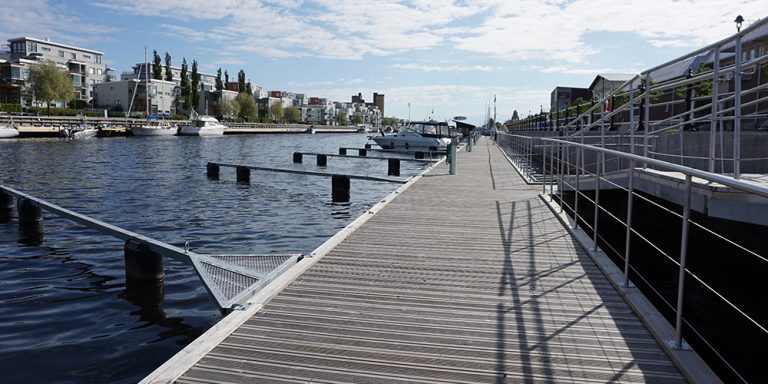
<point x="195" y="91"/>
<point x="219" y="84"/>
<point x="292" y="114"/>
<point x="48" y="83"/>
<point x="248" y="89"/>
<point x="168" y="72"/>
<point x="229" y="108"/>
<point x="515" y="115"/>
<point x="241" y="81"/>
<point x="357" y="119"/>
<point x="226" y="77"/>
<point x="157" y="68"/>
<point x="246" y="106"/>
<point x="185" y="86"/>
<point x="389" y="121"/>
<point x="276" y="111"/>
<point x="341" y="118"/>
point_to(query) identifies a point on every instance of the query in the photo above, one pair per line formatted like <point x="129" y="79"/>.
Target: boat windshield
<point x="431" y="129"/>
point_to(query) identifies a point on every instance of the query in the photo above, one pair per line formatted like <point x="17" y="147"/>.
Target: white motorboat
<point x="80" y="131"/>
<point x="8" y="131"/>
<point x="155" y="128"/>
<point x="432" y="136"/>
<point x="202" y="126"/>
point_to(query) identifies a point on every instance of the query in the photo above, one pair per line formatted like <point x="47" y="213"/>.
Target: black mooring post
<point x="29" y="213"/>
<point x="393" y="168"/>
<point x="362" y="152"/>
<point x="343" y="151"/>
<point x="212" y="170"/>
<point x="339" y="188"/>
<point x="322" y="160"/>
<point x="367" y="146"/>
<point x="141" y="264"/>
<point x="243" y="174"/>
<point x="6" y="207"/>
<point x="419" y="155"/>
<point x="297" y="157"/>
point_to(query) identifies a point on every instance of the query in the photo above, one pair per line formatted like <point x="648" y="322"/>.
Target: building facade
<point x="85" y="67"/>
<point x="130" y="97"/>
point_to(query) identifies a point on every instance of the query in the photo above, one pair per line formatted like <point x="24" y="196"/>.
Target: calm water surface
<point x="65" y="315"/>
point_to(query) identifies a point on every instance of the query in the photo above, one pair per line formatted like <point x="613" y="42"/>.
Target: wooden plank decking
<point x="461" y="279"/>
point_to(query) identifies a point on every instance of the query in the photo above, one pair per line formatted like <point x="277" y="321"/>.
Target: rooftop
<point x="46" y="41"/>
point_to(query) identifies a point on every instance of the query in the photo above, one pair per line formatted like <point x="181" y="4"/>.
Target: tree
<point x="248" y="89"/>
<point x="292" y="114"/>
<point x="168" y="72"/>
<point x="515" y="115"/>
<point x="276" y="111"/>
<point x="195" y="91"/>
<point x="241" y="81"/>
<point x="157" y="68"/>
<point x="185" y="91"/>
<point x="229" y="108"/>
<point x="357" y="119"/>
<point x="219" y="84"/>
<point x="226" y="77"/>
<point x="341" y="118"/>
<point x="48" y="83"/>
<point x="389" y="121"/>
<point x="247" y="108"/>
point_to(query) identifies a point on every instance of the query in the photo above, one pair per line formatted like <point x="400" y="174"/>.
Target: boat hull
<point x="145" y="131"/>
<point x="410" y="143"/>
<point x="8" y="133"/>
<point x="205" y="131"/>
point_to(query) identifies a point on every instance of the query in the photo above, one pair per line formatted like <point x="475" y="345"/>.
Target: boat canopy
<point x="429" y="128"/>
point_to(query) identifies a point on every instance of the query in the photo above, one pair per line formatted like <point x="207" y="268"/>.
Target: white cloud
<point x="575" y="70"/>
<point x="445" y="68"/>
<point x="39" y="18"/>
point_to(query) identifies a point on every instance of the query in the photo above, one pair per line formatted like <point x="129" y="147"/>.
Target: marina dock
<point x="466" y="278"/>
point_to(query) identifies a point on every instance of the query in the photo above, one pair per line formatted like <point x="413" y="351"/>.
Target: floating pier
<point x="469" y="278"/>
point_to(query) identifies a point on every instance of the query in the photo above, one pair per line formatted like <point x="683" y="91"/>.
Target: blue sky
<point x="448" y="56"/>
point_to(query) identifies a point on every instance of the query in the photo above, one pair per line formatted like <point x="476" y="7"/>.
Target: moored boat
<point x="155" y="128"/>
<point x="80" y="131"/>
<point x="202" y="126"/>
<point x="8" y="131"/>
<point x="433" y="136"/>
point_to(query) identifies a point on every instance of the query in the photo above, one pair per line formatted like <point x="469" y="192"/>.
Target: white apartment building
<point x="206" y="79"/>
<point x="85" y="66"/>
<point x="122" y="96"/>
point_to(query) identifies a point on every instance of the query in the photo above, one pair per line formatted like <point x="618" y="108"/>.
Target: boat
<point x="202" y="125"/>
<point x="311" y="130"/>
<point x="155" y="128"/>
<point x="151" y="127"/>
<point x="433" y="136"/>
<point x="79" y="131"/>
<point x="8" y="131"/>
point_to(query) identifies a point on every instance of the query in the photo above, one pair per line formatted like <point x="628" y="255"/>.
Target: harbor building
<point x="85" y="67"/>
<point x="565" y="96"/>
<point x="130" y="97"/>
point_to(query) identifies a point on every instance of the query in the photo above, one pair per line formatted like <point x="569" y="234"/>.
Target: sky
<point x="430" y="58"/>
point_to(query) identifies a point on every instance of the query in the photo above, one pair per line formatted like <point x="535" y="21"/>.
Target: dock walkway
<point x="460" y="279"/>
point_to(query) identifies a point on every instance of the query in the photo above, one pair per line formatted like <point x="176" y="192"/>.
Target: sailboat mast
<point x="146" y="82"/>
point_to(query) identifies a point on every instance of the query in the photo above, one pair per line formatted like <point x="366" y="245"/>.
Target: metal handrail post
<point x="630" y="198"/>
<point x="737" y="112"/>
<point x="530" y="159"/>
<point x="576" y="198"/>
<point x="683" y="257"/>
<point x="715" y="107"/>
<point x="597" y="199"/>
<point x="544" y="168"/>
<point x="631" y="118"/>
<point x="552" y="171"/>
<point x="562" y="175"/>
<point x="647" y="116"/>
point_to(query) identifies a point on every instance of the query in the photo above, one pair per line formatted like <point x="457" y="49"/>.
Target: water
<point x="65" y="316"/>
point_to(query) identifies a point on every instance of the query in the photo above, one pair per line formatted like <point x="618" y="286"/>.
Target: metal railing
<point x="565" y="172"/>
<point x="723" y="96"/>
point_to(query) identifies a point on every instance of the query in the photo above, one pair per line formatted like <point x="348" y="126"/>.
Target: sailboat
<point x="8" y="130"/>
<point x="156" y="127"/>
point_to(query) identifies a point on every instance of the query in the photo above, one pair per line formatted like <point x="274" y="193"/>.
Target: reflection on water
<point x="69" y="315"/>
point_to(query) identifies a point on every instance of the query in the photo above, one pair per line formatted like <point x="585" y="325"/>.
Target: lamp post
<point x="738" y="22"/>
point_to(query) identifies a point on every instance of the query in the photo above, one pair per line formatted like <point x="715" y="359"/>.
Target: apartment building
<point x="84" y="66"/>
<point x="131" y="95"/>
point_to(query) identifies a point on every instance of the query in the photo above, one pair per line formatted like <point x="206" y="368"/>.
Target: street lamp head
<point x="738" y="22"/>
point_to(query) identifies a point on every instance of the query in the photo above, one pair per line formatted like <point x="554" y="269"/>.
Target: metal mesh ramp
<point x="232" y="279"/>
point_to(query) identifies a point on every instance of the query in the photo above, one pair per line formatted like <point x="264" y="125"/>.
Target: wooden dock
<point x="469" y="278"/>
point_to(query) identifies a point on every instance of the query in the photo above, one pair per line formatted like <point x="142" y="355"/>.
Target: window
<point x="98" y="59"/>
<point x="61" y="53"/>
<point x="72" y="55"/>
<point x="99" y="71"/>
<point x="18" y="47"/>
<point x="32" y="47"/>
<point x="93" y="71"/>
<point x="46" y="49"/>
<point x="86" y="56"/>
